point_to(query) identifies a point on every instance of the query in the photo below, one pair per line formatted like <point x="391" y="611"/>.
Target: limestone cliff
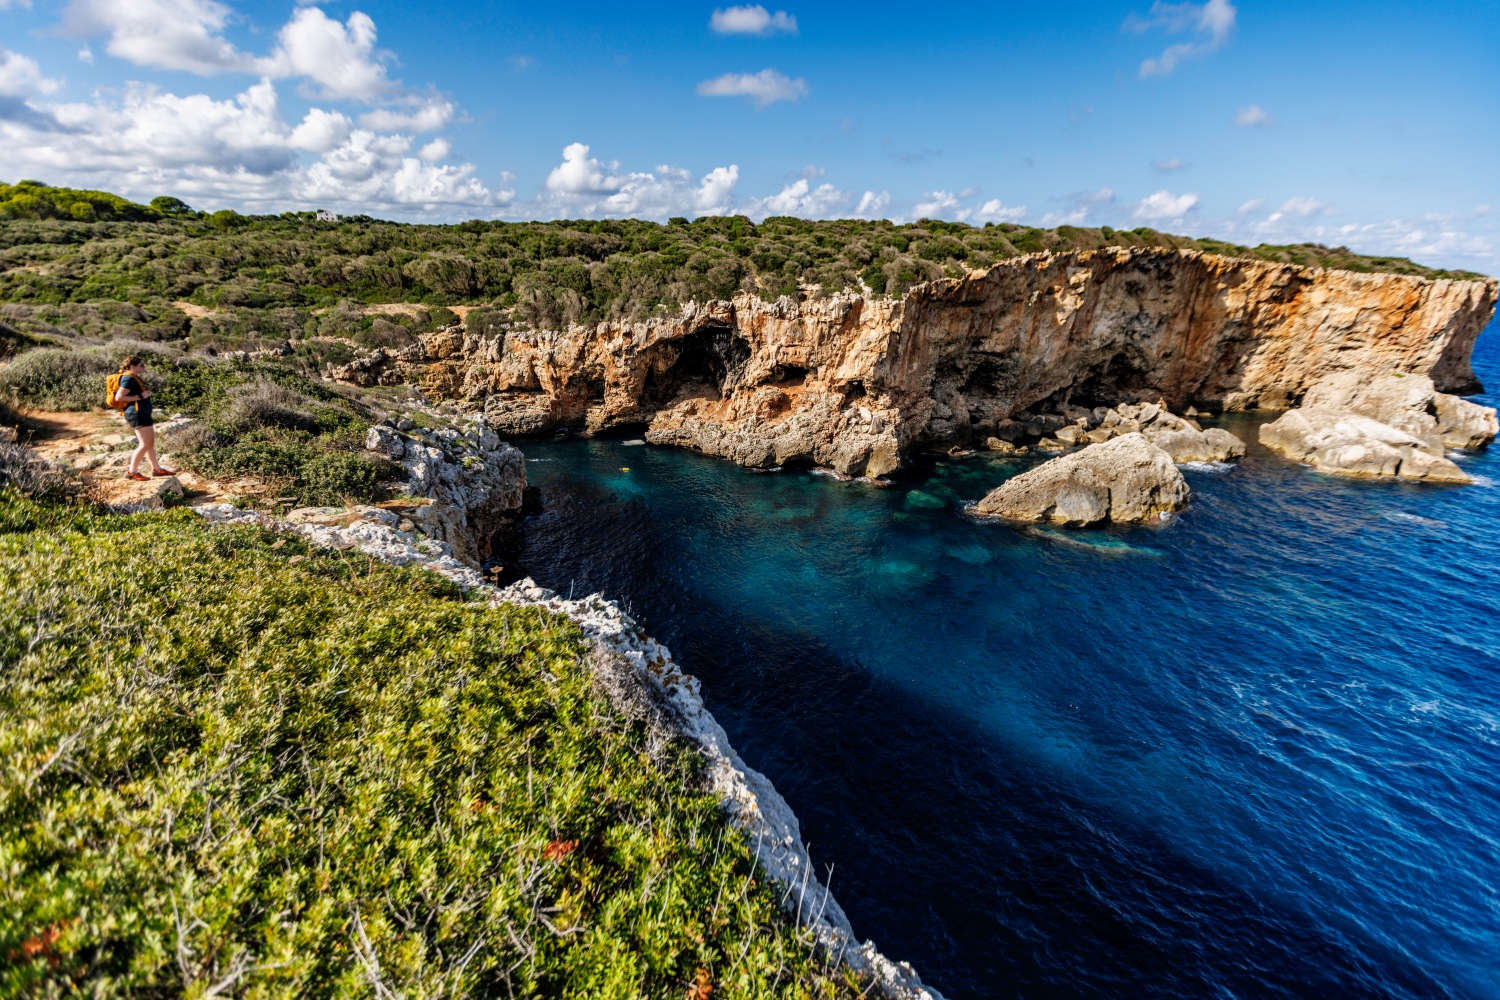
<point x="854" y="383"/>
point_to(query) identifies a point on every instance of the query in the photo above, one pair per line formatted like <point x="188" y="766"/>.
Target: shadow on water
<point x="1251" y="753"/>
<point x="947" y="854"/>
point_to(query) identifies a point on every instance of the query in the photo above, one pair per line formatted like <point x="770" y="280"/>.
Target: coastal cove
<point x="1251" y="751"/>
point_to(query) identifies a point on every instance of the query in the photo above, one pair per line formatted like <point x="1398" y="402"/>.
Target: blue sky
<point x="1372" y="125"/>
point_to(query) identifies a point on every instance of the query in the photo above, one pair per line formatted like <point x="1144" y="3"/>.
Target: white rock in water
<point x="1464" y="424"/>
<point x="1347" y="444"/>
<point x="1127" y="479"/>
<point x="1390" y="425"/>
<point x="1188" y="444"/>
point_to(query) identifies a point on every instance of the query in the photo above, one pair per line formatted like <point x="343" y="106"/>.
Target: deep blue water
<point x="1252" y="753"/>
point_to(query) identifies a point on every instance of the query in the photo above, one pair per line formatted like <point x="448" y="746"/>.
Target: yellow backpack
<point x="112" y="387"/>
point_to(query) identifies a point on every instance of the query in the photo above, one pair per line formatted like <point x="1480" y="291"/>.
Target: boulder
<point x="1401" y="401"/>
<point x="1349" y="444"/>
<point x="1072" y="435"/>
<point x="1187" y="444"/>
<point x="130" y="494"/>
<point x="385" y="442"/>
<point x="1463" y="424"/>
<point x="1387" y="425"/>
<point x="1005" y="447"/>
<point x="1125" y="480"/>
<point x="1179" y="437"/>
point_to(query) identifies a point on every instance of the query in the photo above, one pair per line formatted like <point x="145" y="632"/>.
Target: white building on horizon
<point x="326" y="216"/>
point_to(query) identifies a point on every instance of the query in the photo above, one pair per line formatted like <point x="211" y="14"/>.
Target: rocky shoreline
<point x="857" y="383"/>
<point x="637" y="669"/>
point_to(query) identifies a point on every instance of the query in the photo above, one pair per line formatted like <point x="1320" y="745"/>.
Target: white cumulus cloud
<point x="752" y="20"/>
<point x="938" y="204"/>
<point x="321" y="131"/>
<point x="1163" y="206"/>
<point x="1251" y="117"/>
<point x="716" y="192"/>
<point x="412" y="114"/>
<point x="1211" y="24"/>
<point x="872" y="205"/>
<point x="163" y="34"/>
<point x="585" y="186"/>
<point x="1079" y="206"/>
<point x="337" y="60"/>
<point x="801" y="199"/>
<point x="240" y="151"/>
<point x="995" y="210"/>
<point x="339" y="57"/>
<point x="764" y="88"/>
<point x="21" y="76"/>
<point x="1168" y="166"/>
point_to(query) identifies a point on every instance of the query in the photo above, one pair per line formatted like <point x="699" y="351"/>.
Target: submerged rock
<point x="1125" y="480"/>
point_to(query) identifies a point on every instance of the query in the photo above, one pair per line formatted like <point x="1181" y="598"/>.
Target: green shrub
<point x="266" y="404"/>
<point x="291" y="773"/>
<point x="13" y="340"/>
<point x="540" y="272"/>
<point x="189" y="440"/>
<point x="56" y="378"/>
<point x="337" y="477"/>
<point x="22" y="471"/>
<point x="35" y="200"/>
<point x="316" y="470"/>
<point x="61" y="378"/>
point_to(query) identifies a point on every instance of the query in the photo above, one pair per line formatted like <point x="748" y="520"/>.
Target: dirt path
<point x="194" y="311"/>
<point x="97" y="445"/>
<point x="392" y="309"/>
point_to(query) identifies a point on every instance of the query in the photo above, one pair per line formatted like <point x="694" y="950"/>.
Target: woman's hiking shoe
<point x="137" y="477"/>
<point x="162" y="472"/>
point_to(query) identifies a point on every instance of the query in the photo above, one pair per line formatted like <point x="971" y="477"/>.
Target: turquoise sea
<point x="1253" y="752"/>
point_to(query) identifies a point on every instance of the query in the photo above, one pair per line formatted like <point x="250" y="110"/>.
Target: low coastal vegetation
<point x="235" y="764"/>
<point x="253" y="417"/>
<point x="299" y="269"/>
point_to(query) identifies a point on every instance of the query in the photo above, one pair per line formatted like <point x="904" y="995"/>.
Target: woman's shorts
<point x="136" y="420"/>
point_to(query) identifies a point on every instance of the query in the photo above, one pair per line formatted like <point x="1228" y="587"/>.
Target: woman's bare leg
<point x="148" y="442"/>
<point x="146" y="438"/>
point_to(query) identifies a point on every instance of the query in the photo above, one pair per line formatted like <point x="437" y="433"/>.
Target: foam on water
<point x="1252" y="751"/>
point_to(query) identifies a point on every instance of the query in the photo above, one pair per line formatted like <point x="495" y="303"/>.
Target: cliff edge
<point x="854" y="382"/>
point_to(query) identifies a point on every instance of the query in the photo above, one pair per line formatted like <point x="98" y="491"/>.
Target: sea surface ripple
<point x="1254" y="752"/>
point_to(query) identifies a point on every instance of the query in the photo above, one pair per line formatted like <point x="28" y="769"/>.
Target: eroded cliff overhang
<point x="854" y="382"/>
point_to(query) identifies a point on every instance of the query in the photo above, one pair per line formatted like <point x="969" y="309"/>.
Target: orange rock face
<point x="855" y="383"/>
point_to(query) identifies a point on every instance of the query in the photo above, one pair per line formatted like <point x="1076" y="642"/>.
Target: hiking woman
<point x="136" y="395"/>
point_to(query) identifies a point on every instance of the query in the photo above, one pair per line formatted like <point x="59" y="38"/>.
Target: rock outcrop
<point x="1346" y="444"/>
<point x="1125" y="480"/>
<point x="464" y="484"/>
<point x="1183" y="439"/>
<point x="1387" y="425"/>
<point x="855" y="383"/>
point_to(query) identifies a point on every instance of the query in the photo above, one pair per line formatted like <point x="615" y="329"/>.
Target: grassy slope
<point x="228" y="759"/>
